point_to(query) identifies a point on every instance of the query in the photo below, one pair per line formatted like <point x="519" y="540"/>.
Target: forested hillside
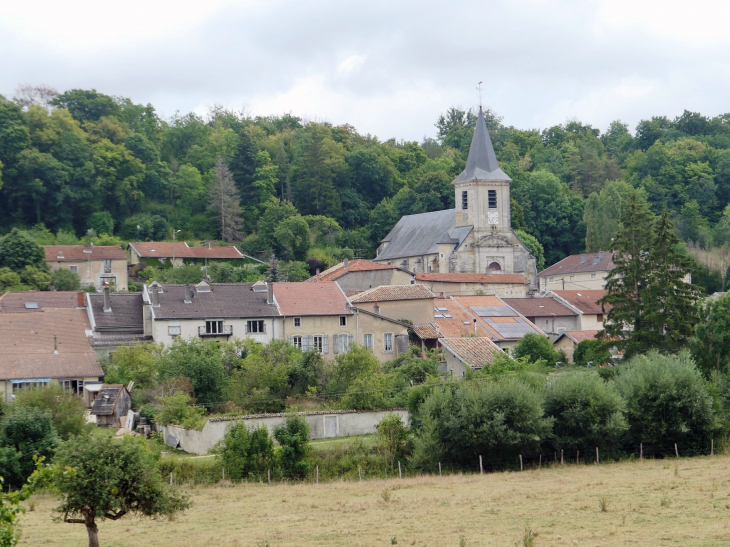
<point x="82" y="159"/>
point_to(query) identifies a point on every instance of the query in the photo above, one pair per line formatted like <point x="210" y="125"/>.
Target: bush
<point x="374" y="391"/>
<point x="245" y="453"/>
<point x="65" y="280"/>
<point x="536" y="347"/>
<point x="67" y="411"/>
<point x="667" y="402"/>
<point x="177" y="409"/>
<point x="591" y="350"/>
<point x="391" y="437"/>
<point x="587" y="413"/>
<point x="293" y="437"/>
<point x="28" y="431"/>
<point x="357" y="362"/>
<point x="460" y="422"/>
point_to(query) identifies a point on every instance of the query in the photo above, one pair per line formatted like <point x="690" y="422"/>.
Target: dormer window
<point x="464" y="200"/>
<point x="492" y="199"/>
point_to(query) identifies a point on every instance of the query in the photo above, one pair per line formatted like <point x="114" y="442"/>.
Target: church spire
<point x="482" y="161"/>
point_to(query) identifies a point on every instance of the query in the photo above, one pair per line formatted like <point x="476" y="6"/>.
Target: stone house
<point x="551" y="315"/>
<point x="585" y="303"/>
<point x="569" y="340"/>
<point x="577" y="272"/>
<point x="320" y="316"/>
<point x="413" y="303"/>
<point x="116" y="319"/>
<point x="498" y="284"/>
<point x="179" y="252"/>
<point x="95" y="265"/>
<point x="461" y="354"/>
<point x="361" y="275"/>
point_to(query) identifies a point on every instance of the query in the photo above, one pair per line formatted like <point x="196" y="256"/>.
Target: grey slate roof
<point x="223" y="301"/>
<point x="420" y="234"/>
<point x="482" y="162"/>
<point x="126" y="311"/>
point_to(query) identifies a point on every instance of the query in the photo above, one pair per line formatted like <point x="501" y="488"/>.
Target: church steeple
<point x="482" y="161"/>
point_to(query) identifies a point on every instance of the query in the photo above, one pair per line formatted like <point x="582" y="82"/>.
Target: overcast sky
<point x="388" y="68"/>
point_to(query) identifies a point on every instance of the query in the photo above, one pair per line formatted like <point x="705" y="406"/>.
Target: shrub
<point x="536" y="347"/>
<point x="65" y="280"/>
<point x="293" y="437"/>
<point x="667" y="402"/>
<point x="357" y="362"/>
<point x="245" y="453"/>
<point x="372" y="391"/>
<point x="391" y="436"/>
<point x="177" y="409"/>
<point x="587" y="413"/>
<point x="591" y="350"/>
<point x="67" y="411"/>
<point x="27" y="431"/>
<point x="134" y="363"/>
<point x="306" y="372"/>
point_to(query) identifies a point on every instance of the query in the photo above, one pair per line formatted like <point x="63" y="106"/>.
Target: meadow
<point x="655" y="502"/>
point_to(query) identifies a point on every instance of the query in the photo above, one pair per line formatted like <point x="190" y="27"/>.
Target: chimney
<point x="55" y="345"/>
<point x="188" y="298"/>
<point x="376" y="309"/>
<point x="81" y="299"/>
<point x="582" y="258"/>
<point x="441" y="295"/>
<point x="269" y="293"/>
<point x="107" y="298"/>
<point x="154" y="296"/>
<point x="317" y="274"/>
<point x="346" y="263"/>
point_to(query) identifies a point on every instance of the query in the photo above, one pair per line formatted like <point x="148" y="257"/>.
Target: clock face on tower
<point x="492" y="217"/>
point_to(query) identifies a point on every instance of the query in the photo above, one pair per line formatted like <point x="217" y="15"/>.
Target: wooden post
<point x="359" y="473"/>
<point x="317" y="474"/>
<point x="539" y="466"/>
<point x="577" y="456"/>
<point x="521" y="467"/>
<point x="676" y="452"/>
<point x="712" y="447"/>
<point x="268" y="474"/>
<point x="561" y="457"/>
<point x="439" y="469"/>
<point x="400" y="473"/>
<point x="224" y="473"/>
<point x="481" y="469"/>
<point x="170" y="478"/>
<point x="641" y="452"/>
<point x="598" y="459"/>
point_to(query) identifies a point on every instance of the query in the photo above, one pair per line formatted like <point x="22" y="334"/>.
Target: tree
<point x="101" y="222"/>
<point x="224" y="200"/>
<point x="711" y="345"/>
<point x="65" y="280"/>
<point x="536" y="347"/>
<point x="67" y="411"/>
<point x="243" y="167"/>
<point x="86" y="105"/>
<point x="595" y="351"/>
<point x="391" y="436"/>
<point x="293" y="437"/>
<point x="10" y="503"/>
<point x="111" y="478"/>
<point x="18" y="250"/>
<point x="245" y="453"/>
<point x="26" y="432"/>
<point x="133" y="363"/>
<point x="535" y="248"/>
<point x="293" y="237"/>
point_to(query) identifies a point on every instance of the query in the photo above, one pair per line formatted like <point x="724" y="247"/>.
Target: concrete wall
<point x="452" y="365"/>
<point x="322" y="425"/>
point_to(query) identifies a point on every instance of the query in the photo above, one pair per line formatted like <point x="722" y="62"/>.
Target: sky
<point x="389" y="68"/>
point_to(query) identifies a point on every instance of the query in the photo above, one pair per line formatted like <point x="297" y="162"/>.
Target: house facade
<point x="590" y="313"/>
<point x="462" y="354"/>
<point x="551" y="315"/>
<point x="495" y="283"/>
<point x="361" y="275"/>
<point x="569" y="340"/>
<point x="412" y="303"/>
<point x="577" y="272"/>
<point x="95" y="265"/>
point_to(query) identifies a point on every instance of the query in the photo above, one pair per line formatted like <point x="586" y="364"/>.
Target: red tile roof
<point x="15" y="301"/>
<point x="585" y="301"/>
<point x="354" y="266"/>
<point x="475" y="352"/>
<point x="426" y="332"/>
<point x="164" y="249"/>
<point x="539" y="307"/>
<point x="579" y="335"/>
<point x="497" y="278"/>
<point x="385" y="293"/>
<point x="26" y="345"/>
<point x="460" y="323"/>
<point x="324" y="298"/>
<point x="75" y="253"/>
<point x="589" y="262"/>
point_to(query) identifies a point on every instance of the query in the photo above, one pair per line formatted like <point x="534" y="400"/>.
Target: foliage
<point x="67" y="411"/>
<point x="711" y="345"/>
<point x="358" y="362"/>
<point x="595" y="351"/>
<point x="10" y="503"/>
<point x="178" y="409"/>
<point x="245" y="453"/>
<point x="65" y="280"/>
<point x="535" y="248"/>
<point x="587" y="412"/>
<point x="133" y="363"/>
<point x="26" y="432"/>
<point x="391" y="436"/>
<point x="293" y="438"/>
<point x="536" y="347"/>
<point x="112" y="478"/>
<point x="18" y="250"/>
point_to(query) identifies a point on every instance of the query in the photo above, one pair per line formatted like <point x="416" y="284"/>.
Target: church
<point x="476" y="236"/>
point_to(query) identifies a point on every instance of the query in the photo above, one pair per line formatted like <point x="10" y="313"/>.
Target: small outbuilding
<point x="111" y="405"/>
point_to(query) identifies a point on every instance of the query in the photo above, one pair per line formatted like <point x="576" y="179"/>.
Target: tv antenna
<point x="479" y="88"/>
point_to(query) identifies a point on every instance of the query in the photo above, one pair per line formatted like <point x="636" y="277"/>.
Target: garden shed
<point x="111" y="405"/>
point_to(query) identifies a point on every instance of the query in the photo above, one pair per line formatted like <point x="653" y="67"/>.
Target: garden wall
<point x="322" y="424"/>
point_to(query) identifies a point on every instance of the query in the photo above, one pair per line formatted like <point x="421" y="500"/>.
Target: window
<point x="341" y="343"/>
<point x="388" y="342"/>
<point x="593" y="276"/>
<point x="572" y="278"/>
<point x="214" y="327"/>
<point x="551" y="280"/>
<point x="74" y="269"/>
<point x="492" y="199"/>
<point x="297" y="322"/>
<point x="318" y="343"/>
<point x="296" y="341"/>
<point x="74" y="386"/>
<point x="107" y="266"/>
<point x="257" y="326"/>
<point x="173" y="330"/>
<point x="464" y="200"/>
<point x="599" y="317"/>
<point x="367" y="341"/>
<point x="343" y="320"/>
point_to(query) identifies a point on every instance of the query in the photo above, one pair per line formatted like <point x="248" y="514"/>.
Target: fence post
<point x="170" y="478"/>
<point x="598" y="459"/>
<point x="400" y="474"/>
<point x="359" y="473"/>
<point x="317" y="474"/>
<point x="539" y="466"/>
<point x="439" y="469"/>
<point x="641" y="452"/>
<point x="577" y="457"/>
<point x="676" y="452"/>
<point x="521" y="468"/>
<point x="561" y="457"/>
<point x="712" y="447"/>
<point x="224" y="473"/>
<point x="268" y="474"/>
<point x="481" y="469"/>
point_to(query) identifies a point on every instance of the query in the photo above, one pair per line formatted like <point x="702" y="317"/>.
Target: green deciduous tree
<point x="65" y="280"/>
<point x="293" y="438"/>
<point x="26" y="432"/>
<point x="18" y="250"/>
<point x="293" y="237"/>
<point x="536" y="347"/>
<point x="245" y="453"/>
<point x="67" y="411"/>
<point x="711" y="345"/>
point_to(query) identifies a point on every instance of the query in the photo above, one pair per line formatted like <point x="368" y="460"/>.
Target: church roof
<point x="482" y="162"/>
<point x="416" y="235"/>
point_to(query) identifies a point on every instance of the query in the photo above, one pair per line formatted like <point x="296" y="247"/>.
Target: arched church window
<point x="495" y="267"/>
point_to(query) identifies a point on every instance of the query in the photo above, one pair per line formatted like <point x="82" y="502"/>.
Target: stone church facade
<point x="476" y="236"/>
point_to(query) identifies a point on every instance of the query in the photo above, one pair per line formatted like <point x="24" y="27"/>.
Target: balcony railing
<point x="227" y="331"/>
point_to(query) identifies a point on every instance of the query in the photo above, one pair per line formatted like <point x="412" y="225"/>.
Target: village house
<point x="95" y="265"/>
<point x="551" y="315"/>
<point x="319" y="316"/>
<point x="585" y="303"/>
<point x="179" y="252"/>
<point x="218" y="311"/>
<point x="569" y="340"/>
<point x="577" y="272"/>
<point x="41" y="345"/>
<point x="33" y="301"/>
<point x="462" y="354"/>
<point x="360" y="275"/>
<point x="498" y="284"/>
<point x="116" y="319"/>
<point x="412" y="303"/>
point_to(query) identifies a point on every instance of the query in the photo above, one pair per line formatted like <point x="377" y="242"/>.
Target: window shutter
<point x="335" y="340"/>
<point x="263" y="324"/>
<point x="325" y="344"/>
<point x="248" y="326"/>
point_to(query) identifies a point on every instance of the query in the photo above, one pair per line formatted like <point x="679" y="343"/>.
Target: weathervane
<point x="479" y="88"/>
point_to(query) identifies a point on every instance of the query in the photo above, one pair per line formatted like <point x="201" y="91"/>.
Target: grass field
<point x="658" y="502"/>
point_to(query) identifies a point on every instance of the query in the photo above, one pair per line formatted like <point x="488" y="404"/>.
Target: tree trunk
<point x="91" y="528"/>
